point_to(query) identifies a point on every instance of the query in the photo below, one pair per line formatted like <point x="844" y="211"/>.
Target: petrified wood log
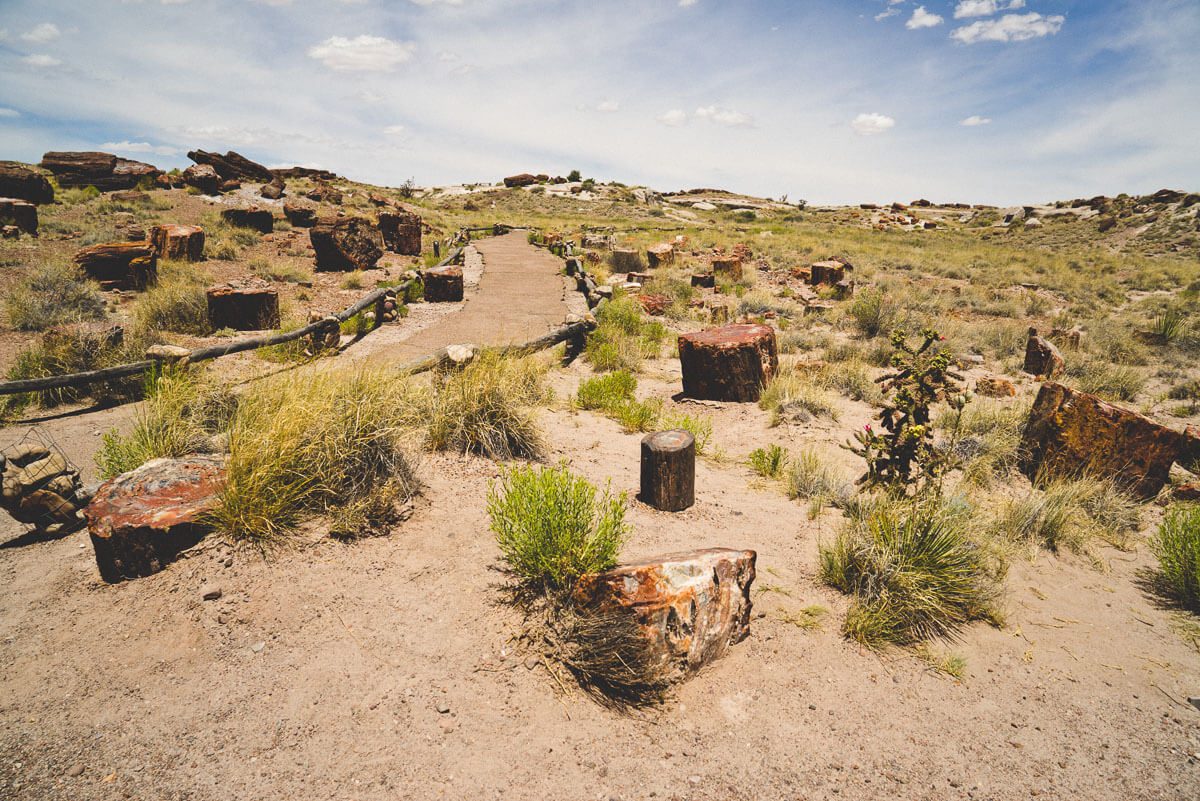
<point x="727" y="268"/>
<point x="703" y="280"/>
<point x="180" y="242"/>
<point x="691" y="606"/>
<point x="995" y="388"/>
<point x="203" y="177"/>
<point x="1041" y="357"/>
<point x="23" y="184"/>
<point x="243" y="306"/>
<point x="274" y="189"/>
<point x="300" y="216"/>
<point x="625" y="260"/>
<point x="654" y="303"/>
<point x="729" y="363"/>
<point x="324" y="193"/>
<point x="401" y="232"/>
<point x="1071" y="432"/>
<point x="524" y="179"/>
<point x="120" y="265"/>
<point x="141" y="520"/>
<point x="20" y="213"/>
<point x="101" y="170"/>
<point x="669" y="470"/>
<point x="260" y="220"/>
<point x="344" y="243"/>
<point x="660" y="255"/>
<point x="444" y="284"/>
<point x="232" y="166"/>
<point x="827" y="272"/>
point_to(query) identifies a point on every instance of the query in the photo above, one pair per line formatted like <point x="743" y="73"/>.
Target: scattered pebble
<point x="212" y="594"/>
<point x="258" y="646"/>
<point x="75" y="770"/>
<point x="443" y="707"/>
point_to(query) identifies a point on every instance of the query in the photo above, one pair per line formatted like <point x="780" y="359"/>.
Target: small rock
<point x="75" y="770"/>
<point x="212" y="594"/>
<point x="258" y="646"/>
<point x="442" y="707"/>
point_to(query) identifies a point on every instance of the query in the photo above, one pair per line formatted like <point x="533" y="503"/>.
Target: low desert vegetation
<point x="53" y="293"/>
<point x="1072" y="513"/>
<point x="613" y="394"/>
<point x="769" y="462"/>
<point x="1177" y="546"/>
<point x="622" y="340"/>
<point x="178" y="302"/>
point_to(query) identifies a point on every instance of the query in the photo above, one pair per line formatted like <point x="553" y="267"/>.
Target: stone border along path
<point x="518" y="293"/>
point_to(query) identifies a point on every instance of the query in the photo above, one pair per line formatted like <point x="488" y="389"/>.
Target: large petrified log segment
<point x="260" y="220"/>
<point x="104" y="171"/>
<point x="179" y="242"/>
<point x="523" y="179"/>
<point x="669" y="470"/>
<point x="344" y="243"/>
<point x="21" y="213"/>
<point x="243" y="306"/>
<point x="324" y="193"/>
<point x="120" y="265"/>
<point x="727" y="268"/>
<point x="691" y="607"/>
<point x="24" y="184"/>
<point x="232" y="166"/>
<point x="274" y="189"/>
<point x="444" y="285"/>
<point x="1071" y="432"/>
<point x="401" y="232"/>
<point x="827" y="272"/>
<point x="306" y="172"/>
<point x="203" y="177"/>
<point x="300" y="216"/>
<point x="660" y="255"/>
<point x="140" y="521"/>
<point x="1041" y="357"/>
<point x="728" y="363"/>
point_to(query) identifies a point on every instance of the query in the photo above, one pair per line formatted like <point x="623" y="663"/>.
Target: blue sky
<point x="998" y="101"/>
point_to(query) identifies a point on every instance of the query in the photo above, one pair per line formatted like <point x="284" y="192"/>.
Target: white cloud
<point x="724" y="116"/>
<point x="361" y="54"/>
<point x="394" y="130"/>
<point x="891" y="10"/>
<point x="9" y="113"/>
<point x="686" y="3"/>
<point x="139" y="147"/>
<point x="985" y="8"/>
<point x="42" y="60"/>
<point x="275" y="2"/>
<point x="974" y="120"/>
<point x="871" y="124"/>
<point x="367" y="96"/>
<point x="922" y="19"/>
<point x="435" y="2"/>
<point x="46" y="32"/>
<point x="446" y="55"/>
<point x="1009" y="28"/>
<point x="673" y="118"/>
<point x="608" y="106"/>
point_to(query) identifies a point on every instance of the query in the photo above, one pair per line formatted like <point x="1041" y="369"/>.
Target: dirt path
<point x="514" y="292"/>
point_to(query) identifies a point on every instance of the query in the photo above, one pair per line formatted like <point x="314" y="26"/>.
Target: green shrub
<point x="317" y="443"/>
<point x="768" y="462"/>
<point x="174" y="306"/>
<point x="874" y="312"/>
<point x="485" y="408"/>
<point x="607" y="391"/>
<point x="54" y="293"/>
<point x="701" y="428"/>
<point x="552" y="528"/>
<point x="1177" y="546"/>
<point x="635" y="415"/>
<point x="913" y="574"/>
<point x="1168" y="324"/>
<point x="621" y="341"/>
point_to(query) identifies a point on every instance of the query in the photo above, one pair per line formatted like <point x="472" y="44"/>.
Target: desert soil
<point x="390" y="668"/>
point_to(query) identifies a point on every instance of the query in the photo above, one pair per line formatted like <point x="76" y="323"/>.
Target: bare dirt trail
<point x="519" y="293"/>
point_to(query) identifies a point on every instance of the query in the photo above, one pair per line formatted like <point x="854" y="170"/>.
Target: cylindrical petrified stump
<point x="728" y="363"/>
<point x="401" y="232"/>
<point x="669" y="470"/>
<point x="444" y="285"/>
<point x="120" y="265"/>
<point x="181" y="242"/>
<point x="727" y="268"/>
<point x="243" y="307"/>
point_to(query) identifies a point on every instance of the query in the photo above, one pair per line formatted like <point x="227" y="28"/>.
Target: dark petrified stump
<point x="729" y="363"/>
<point x="1041" y="357"/>
<point x="344" y="243"/>
<point x="21" y="213"/>
<point x="444" y="285"/>
<point x="180" y="242"/>
<point x="120" y="265"/>
<point x="669" y="470"/>
<point x="401" y="232"/>
<point x="260" y="220"/>
<point x="727" y="268"/>
<point x="827" y="272"/>
<point x="243" y="306"/>
<point x="300" y="216"/>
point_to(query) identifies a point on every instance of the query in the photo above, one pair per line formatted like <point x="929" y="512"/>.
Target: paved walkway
<point x="521" y="294"/>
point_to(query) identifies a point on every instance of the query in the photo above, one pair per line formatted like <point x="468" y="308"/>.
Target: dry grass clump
<point x="874" y="312"/>
<point x="485" y="408"/>
<point x="811" y="477"/>
<point x="183" y="410"/>
<point x="797" y="396"/>
<point x="621" y="341"/>
<point x="316" y="443"/>
<point x="55" y="292"/>
<point x="988" y="439"/>
<point x="914" y="574"/>
<point x="1072" y="513"/>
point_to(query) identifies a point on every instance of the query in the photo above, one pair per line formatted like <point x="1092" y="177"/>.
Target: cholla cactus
<point x="901" y="458"/>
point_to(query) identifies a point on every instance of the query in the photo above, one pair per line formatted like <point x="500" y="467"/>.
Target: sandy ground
<point x="321" y="669"/>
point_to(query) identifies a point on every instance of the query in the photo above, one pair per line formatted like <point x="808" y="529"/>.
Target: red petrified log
<point x="995" y="388"/>
<point x="1071" y="432"/>
<point x="243" y="307"/>
<point x="654" y="304"/>
<point x="20" y="213"/>
<point x="120" y="265"/>
<point x="827" y="272"/>
<point x="180" y="242"/>
<point x="260" y="220"/>
<point x="344" y="243"/>
<point x="401" y="232"/>
<point x="444" y="285"/>
<point x="727" y="268"/>
<point x="660" y="255"/>
<point x="140" y="521"/>
<point x="691" y="606"/>
<point x="729" y="363"/>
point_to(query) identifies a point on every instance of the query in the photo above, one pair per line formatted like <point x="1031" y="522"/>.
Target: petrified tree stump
<point x="401" y="232"/>
<point x="243" y="307"/>
<point x="203" y="177"/>
<point x="180" y="242"/>
<point x="1041" y="357"/>
<point x="20" y="213"/>
<point x="120" y="265"/>
<point x="23" y="184"/>
<point x="274" y="189"/>
<point x="703" y="280"/>
<point x="300" y="216"/>
<point x="260" y="220"/>
<point x="444" y="285"/>
<point x="660" y="255"/>
<point x="344" y="243"/>
<point x="827" y="272"/>
<point x="728" y="268"/>
<point x="669" y="470"/>
<point x="729" y="363"/>
<point x="626" y="260"/>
